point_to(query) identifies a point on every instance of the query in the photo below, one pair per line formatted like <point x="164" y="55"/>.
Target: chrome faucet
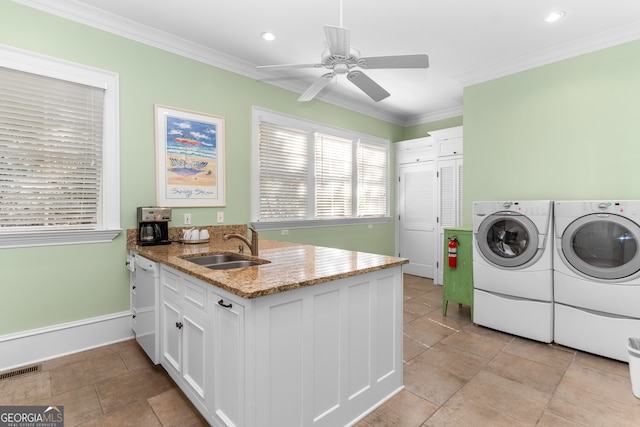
<point x="253" y="245"/>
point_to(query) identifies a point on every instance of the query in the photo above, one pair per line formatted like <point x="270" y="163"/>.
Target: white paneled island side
<point x="311" y="337"/>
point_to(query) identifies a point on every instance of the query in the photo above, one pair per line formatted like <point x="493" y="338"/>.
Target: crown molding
<point x="96" y="18"/>
<point x="132" y="30"/>
<point x="584" y="45"/>
<point x="455" y="111"/>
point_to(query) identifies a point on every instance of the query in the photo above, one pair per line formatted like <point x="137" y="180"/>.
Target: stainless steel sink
<point x="232" y="264"/>
<point x="223" y="261"/>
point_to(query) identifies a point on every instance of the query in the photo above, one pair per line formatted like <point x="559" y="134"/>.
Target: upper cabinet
<point x="448" y="141"/>
<point x="415" y="150"/>
<point x="429" y="198"/>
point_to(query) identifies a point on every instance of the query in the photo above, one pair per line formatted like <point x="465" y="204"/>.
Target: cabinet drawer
<point x="170" y="282"/>
<point x="195" y="295"/>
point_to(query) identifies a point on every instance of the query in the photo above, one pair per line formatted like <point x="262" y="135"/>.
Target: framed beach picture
<point x="189" y="158"/>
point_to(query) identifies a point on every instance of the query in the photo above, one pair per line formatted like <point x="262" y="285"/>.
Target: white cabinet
<point x="203" y="345"/>
<point x="415" y="150"/>
<point x="321" y="355"/>
<point x="449" y="203"/>
<point x="428" y="201"/>
<point x="228" y="356"/>
<point x="326" y="354"/>
<point x="185" y="330"/>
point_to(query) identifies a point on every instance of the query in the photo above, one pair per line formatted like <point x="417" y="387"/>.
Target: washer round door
<point x="508" y="239"/>
<point x="603" y="246"/>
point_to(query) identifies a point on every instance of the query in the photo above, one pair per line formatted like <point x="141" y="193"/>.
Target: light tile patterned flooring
<point x="455" y="374"/>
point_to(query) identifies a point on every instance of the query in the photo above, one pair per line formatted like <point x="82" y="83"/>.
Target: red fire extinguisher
<point x="453" y="252"/>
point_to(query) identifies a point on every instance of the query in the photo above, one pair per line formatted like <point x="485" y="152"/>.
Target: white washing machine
<point x="513" y="267"/>
<point x="597" y="275"/>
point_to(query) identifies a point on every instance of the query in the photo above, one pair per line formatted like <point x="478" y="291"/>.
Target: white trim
<point x="49" y="238"/>
<point x="258" y="115"/>
<point x="448" y="113"/>
<point x="37" y="345"/>
<point x="584" y="45"/>
<point x="31" y="62"/>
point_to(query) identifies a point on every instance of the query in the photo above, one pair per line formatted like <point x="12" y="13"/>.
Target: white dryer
<point x="513" y="267"/>
<point x="597" y="275"/>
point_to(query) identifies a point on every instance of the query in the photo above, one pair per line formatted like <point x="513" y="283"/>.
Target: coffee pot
<point x="147" y="233"/>
<point x="153" y="225"/>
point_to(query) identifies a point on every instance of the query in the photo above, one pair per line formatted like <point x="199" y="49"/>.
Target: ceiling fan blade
<point x="399" y="61"/>
<point x="287" y="66"/>
<point x="316" y="87"/>
<point x="338" y="39"/>
<point x="368" y="86"/>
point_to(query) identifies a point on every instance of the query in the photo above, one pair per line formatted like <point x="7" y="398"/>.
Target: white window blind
<point x="372" y="179"/>
<point x="283" y="165"/>
<point x="51" y="133"/>
<point x="309" y="174"/>
<point x="333" y="176"/>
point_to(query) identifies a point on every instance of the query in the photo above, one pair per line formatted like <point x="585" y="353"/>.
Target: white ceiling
<point x="468" y="41"/>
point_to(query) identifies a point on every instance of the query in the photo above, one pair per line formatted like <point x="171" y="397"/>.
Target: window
<point x="58" y="152"/>
<point x="309" y="174"/>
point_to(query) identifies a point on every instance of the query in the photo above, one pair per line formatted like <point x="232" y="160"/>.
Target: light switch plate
<point x="220" y="217"/>
<point x="187" y="219"/>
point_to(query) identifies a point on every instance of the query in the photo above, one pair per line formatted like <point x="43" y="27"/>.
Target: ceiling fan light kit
<point x="342" y="59"/>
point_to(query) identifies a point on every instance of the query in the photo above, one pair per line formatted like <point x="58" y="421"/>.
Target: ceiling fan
<point x="342" y="59"/>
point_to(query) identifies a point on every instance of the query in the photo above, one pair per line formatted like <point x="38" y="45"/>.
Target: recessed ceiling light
<point x="268" y="36"/>
<point x="554" y="16"/>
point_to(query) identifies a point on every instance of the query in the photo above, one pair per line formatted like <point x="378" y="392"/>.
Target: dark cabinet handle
<point x="134" y="286"/>
<point x="221" y="302"/>
<point x="133" y="315"/>
<point x="179" y="325"/>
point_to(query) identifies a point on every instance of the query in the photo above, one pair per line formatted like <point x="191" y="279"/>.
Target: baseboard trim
<point x="42" y="344"/>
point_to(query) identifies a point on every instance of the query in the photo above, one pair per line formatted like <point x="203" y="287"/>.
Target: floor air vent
<point x="20" y="371"/>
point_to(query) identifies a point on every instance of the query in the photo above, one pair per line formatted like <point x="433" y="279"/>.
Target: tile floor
<point x="455" y="374"/>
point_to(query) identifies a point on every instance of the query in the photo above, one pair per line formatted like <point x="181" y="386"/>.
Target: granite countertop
<point x="289" y="265"/>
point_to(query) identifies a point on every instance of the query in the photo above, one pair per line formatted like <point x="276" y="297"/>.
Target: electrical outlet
<point x="284" y="233"/>
<point x="220" y="217"/>
<point x="187" y="219"/>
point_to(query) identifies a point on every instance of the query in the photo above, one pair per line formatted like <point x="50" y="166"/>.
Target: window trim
<point x="31" y="62"/>
<point x="261" y="114"/>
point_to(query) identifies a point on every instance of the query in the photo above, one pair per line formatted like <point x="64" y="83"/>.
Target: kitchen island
<point x="310" y="337"/>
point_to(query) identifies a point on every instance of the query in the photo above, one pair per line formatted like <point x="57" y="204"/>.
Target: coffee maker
<point x="153" y="225"/>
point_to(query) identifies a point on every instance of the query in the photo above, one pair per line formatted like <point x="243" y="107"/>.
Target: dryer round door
<point x="603" y="246"/>
<point x="508" y="239"/>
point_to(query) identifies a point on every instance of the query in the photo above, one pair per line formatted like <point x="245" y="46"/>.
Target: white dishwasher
<point x="145" y="283"/>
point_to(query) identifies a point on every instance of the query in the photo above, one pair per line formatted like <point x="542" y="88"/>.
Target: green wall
<point x="46" y="286"/>
<point x="565" y="131"/>
<point x="569" y="130"/>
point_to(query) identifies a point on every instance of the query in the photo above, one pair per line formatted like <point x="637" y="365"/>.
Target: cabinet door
<point x="229" y="361"/>
<point x="171" y="342"/>
<point x="194" y="341"/>
<point x="449" y="201"/>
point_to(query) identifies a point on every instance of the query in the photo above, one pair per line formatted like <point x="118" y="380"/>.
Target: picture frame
<point x="190" y="158"/>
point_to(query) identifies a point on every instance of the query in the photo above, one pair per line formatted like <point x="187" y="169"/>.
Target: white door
<point x="416" y="217"/>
